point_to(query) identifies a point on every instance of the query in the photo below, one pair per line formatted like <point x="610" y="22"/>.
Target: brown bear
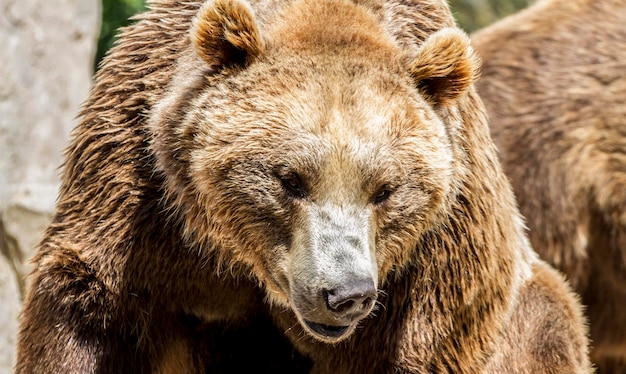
<point x="303" y="186"/>
<point x="554" y="84"/>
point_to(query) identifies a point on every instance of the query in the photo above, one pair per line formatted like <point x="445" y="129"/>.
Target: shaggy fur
<point x="554" y="84"/>
<point x="181" y="221"/>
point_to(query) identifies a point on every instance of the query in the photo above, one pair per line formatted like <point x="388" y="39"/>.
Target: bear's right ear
<point x="225" y="33"/>
<point x="445" y="66"/>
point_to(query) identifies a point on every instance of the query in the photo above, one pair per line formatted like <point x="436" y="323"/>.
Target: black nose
<point x="353" y="297"/>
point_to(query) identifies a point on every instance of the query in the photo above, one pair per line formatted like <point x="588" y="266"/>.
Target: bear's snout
<point x="333" y="270"/>
<point x="351" y="300"/>
<point x="336" y="311"/>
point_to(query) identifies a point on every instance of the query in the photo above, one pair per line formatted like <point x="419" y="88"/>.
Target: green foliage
<point x="115" y="14"/>
<point x="470" y="14"/>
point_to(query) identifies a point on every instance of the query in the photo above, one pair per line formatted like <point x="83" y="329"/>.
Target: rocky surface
<point x="46" y="59"/>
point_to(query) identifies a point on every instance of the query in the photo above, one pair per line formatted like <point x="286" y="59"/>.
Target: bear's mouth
<point x="327" y="331"/>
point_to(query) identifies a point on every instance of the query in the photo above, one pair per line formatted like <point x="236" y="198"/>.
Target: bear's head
<point x="311" y="151"/>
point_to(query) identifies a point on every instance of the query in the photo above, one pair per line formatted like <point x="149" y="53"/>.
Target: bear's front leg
<point x="72" y="323"/>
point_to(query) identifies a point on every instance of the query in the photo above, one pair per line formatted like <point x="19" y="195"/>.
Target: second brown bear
<point x="554" y="84"/>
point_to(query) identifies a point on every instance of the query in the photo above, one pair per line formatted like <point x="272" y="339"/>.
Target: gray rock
<point x="9" y="310"/>
<point x="45" y="73"/>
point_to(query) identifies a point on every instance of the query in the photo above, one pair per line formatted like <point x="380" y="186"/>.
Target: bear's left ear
<point x="445" y="66"/>
<point x="225" y="33"/>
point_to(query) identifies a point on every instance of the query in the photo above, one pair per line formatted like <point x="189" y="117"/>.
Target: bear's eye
<point x="382" y="195"/>
<point x="293" y="186"/>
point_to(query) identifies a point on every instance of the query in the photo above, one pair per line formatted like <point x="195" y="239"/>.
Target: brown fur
<point x="173" y="237"/>
<point x="556" y="354"/>
<point x="554" y="84"/>
<point x="450" y="76"/>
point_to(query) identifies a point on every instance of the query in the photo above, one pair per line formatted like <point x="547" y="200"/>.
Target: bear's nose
<point x="351" y="298"/>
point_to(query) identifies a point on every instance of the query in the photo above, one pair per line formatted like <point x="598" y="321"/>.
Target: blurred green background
<point x="115" y="14"/>
<point x="470" y="14"/>
<point x="474" y="14"/>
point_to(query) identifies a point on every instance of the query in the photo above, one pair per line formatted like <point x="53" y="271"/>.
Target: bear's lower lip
<point x="327" y="330"/>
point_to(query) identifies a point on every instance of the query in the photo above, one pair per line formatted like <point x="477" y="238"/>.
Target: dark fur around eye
<point x="382" y="195"/>
<point x="293" y="186"/>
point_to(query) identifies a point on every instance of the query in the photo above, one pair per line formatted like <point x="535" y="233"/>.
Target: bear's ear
<point x="225" y="33"/>
<point x="445" y="66"/>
